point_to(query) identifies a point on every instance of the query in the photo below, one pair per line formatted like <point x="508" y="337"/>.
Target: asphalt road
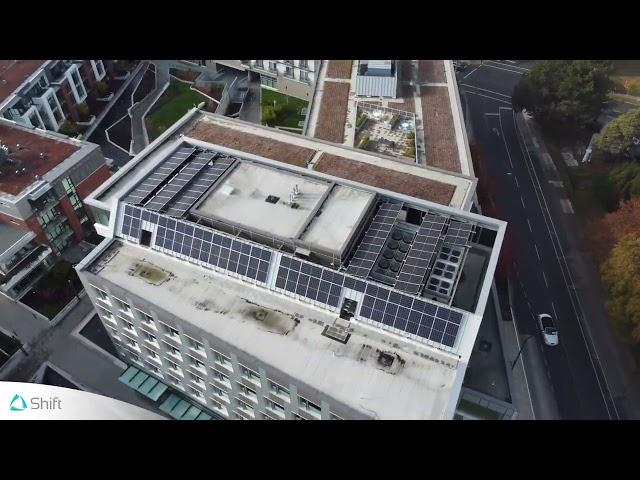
<point x="515" y="185"/>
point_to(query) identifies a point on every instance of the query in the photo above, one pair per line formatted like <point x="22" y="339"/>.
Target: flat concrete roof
<point x="340" y="214"/>
<point x="425" y="387"/>
<point x="241" y="199"/>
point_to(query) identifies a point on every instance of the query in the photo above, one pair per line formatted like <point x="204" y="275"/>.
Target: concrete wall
<point x="294" y="88"/>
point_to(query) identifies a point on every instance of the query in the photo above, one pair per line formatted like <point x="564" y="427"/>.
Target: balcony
<point x="25" y="266"/>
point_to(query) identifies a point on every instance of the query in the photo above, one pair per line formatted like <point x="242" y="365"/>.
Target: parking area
<point x="8" y="346"/>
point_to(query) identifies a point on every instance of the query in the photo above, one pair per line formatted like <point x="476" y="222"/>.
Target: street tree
<point x="564" y="93"/>
<point x="616" y="225"/>
<point x="621" y="277"/>
<point x="620" y="136"/>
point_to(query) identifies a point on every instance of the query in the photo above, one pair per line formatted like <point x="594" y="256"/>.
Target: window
<point x="304" y="63"/>
<point x="196" y="393"/>
<point x="221" y="377"/>
<point x="106" y="314"/>
<point x="102" y="295"/>
<point x="173" y="366"/>
<point x="218" y="406"/>
<point x="79" y="86"/>
<point x="272" y="67"/>
<point x="309" y="406"/>
<point x="249" y="374"/>
<point x="134" y="357"/>
<point x="195" y="345"/>
<point x="304" y="76"/>
<point x="150" y="338"/>
<point x="244" y="406"/>
<point x="151" y="353"/>
<point x="276" y="407"/>
<point x="288" y="71"/>
<point x="221" y="359"/>
<point x="54" y="105"/>
<point x="171" y="332"/>
<point x="146" y="319"/>
<point x="196" y="363"/>
<point x="129" y="342"/>
<point x="247" y="391"/>
<point x="196" y="379"/>
<point x="297" y="417"/>
<point x="267" y="81"/>
<point x="173" y="350"/>
<point x="123" y="306"/>
<point x="278" y="390"/>
<point x="219" y="392"/>
<point x="260" y="63"/>
<point x="98" y="69"/>
<point x="176" y="381"/>
<point x="127" y="325"/>
<point x="152" y="367"/>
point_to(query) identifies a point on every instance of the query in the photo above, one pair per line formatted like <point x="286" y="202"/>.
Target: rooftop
<point x="13" y="73"/>
<point x="426" y="88"/>
<point x="287" y="335"/>
<point x="258" y="198"/>
<point x="31" y="154"/>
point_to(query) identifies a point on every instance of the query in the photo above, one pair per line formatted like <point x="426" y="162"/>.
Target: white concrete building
<point x="291" y="77"/>
<point x="265" y="290"/>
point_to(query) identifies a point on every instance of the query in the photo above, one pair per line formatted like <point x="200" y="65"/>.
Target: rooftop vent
<point x="386" y="359"/>
<point x="338" y="332"/>
<point x="272" y="199"/>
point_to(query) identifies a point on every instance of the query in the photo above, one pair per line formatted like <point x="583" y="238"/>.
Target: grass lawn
<point x="289" y="115"/>
<point x="52" y="292"/>
<point x="170" y="107"/>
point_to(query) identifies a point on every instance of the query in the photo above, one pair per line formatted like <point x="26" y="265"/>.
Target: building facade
<point x="291" y="77"/>
<point x="44" y="178"/>
<point x="50" y="92"/>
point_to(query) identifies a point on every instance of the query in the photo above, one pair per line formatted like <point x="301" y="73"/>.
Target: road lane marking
<point x="537" y="253"/>
<point x="517" y="184"/>
<point x="545" y="279"/>
<point x="522" y="200"/>
<point x="487" y="96"/>
<point x="531" y="230"/>
<point x="492" y="114"/>
<point x="471" y="72"/>
<point x="505" y="144"/>
<point x="560" y="255"/>
<point x="503" y="68"/>
<point x="567" y="208"/>
<point x="553" y="307"/>
<point x="488" y="91"/>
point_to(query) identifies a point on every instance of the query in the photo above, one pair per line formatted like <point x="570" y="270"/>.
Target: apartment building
<point x="45" y="93"/>
<point x="291" y="77"/>
<point x="265" y="289"/>
<point x="44" y="177"/>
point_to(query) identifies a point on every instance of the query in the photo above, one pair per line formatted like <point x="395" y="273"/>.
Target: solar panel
<point x="310" y="281"/>
<point x="179" y="182"/>
<point x="411" y="315"/>
<point x="201" y="184"/>
<point x="371" y="245"/>
<point x="422" y="250"/>
<point x="458" y="233"/>
<point x="159" y="175"/>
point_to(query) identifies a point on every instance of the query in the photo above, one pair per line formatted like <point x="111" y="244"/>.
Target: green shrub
<point x="411" y="135"/>
<point x="364" y="141"/>
<point x="68" y="128"/>
<point x="361" y="119"/>
<point x="410" y="152"/>
<point x="83" y="110"/>
<point x="269" y="115"/>
<point x="102" y="88"/>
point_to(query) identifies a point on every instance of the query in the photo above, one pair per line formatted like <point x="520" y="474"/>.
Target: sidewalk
<point x="616" y="360"/>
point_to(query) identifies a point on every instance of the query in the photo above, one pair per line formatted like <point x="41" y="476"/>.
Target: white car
<point x="548" y="329"/>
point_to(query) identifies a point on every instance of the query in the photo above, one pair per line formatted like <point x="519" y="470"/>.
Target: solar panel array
<point x="308" y="281"/>
<point x="458" y="233"/>
<point x="422" y="250"/>
<point x="201" y="244"/>
<point x="179" y="182"/>
<point x="201" y="184"/>
<point x="163" y="171"/>
<point x="411" y="315"/>
<point x="374" y="238"/>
